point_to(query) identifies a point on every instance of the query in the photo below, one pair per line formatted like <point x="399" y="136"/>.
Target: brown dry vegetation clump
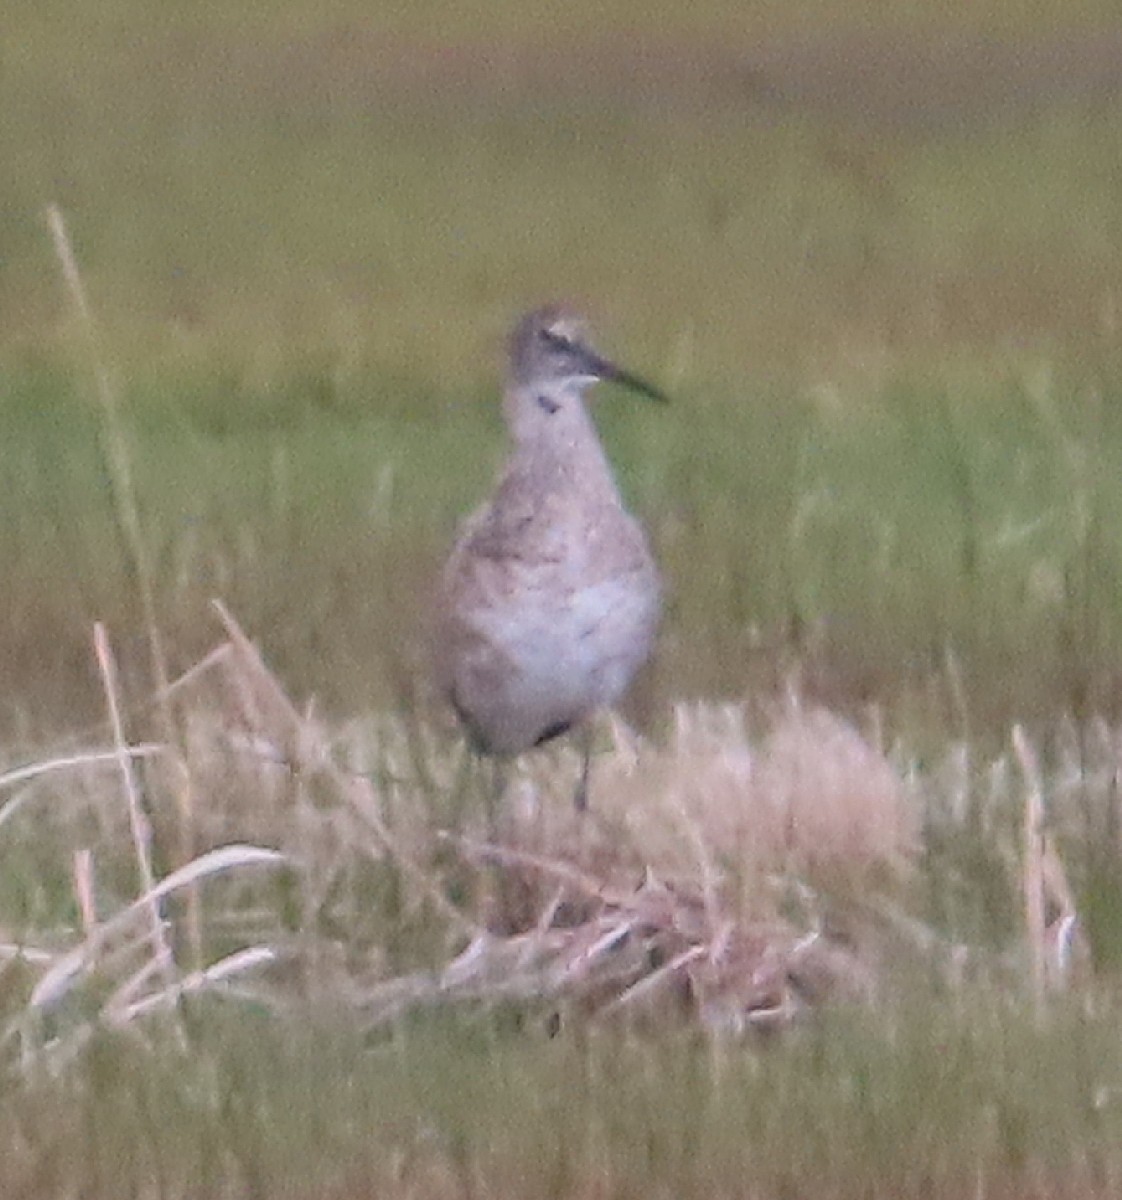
<point x="812" y="797"/>
<point x="695" y="878"/>
<point x="722" y="877"/>
<point x="705" y="856"/>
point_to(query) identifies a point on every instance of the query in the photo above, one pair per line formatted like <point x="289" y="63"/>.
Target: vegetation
<point x="254" y="936"/>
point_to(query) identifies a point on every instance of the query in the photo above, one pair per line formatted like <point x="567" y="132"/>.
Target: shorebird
<point x="550" y="599"/>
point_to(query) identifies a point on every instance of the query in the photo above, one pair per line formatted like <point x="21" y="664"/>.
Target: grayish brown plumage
<point x="550" y="599"/>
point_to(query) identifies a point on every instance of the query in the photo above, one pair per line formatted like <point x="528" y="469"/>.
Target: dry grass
<point x="737" y="879"/>
<point x="773" y="872"/>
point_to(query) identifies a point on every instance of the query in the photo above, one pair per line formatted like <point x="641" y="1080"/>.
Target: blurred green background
<point x="874" y="256"/>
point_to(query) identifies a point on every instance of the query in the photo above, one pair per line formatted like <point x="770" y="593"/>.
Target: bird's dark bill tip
<point x="635" y="383"/>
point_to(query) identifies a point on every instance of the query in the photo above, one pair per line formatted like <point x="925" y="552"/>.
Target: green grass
<point x="266" y="199"/>
<point x="994" y="1108"/>
<point x="719" y="247"/>
<point x="876" y="548"/>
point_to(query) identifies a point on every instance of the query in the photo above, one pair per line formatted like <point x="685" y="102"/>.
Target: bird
<point x="550" y="599"/>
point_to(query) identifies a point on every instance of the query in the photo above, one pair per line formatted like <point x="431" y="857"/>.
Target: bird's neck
<point x="566" y="448"/>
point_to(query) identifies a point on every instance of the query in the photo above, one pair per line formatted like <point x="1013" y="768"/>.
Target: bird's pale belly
<point x="557" y="658"/>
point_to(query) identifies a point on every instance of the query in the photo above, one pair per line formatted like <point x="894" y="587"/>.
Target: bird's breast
<point x="580" y="640"/>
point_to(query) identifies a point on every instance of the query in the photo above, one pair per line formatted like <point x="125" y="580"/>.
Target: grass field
<point x="877" y="263"/>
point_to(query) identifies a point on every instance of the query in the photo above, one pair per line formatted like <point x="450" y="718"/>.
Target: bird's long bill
<point x="610" y="372"/>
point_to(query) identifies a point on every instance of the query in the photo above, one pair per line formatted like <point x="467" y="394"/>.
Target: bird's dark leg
<point x="585" y="737"/>
<point x="501" y="890"/>
<point x="500" y="775"/>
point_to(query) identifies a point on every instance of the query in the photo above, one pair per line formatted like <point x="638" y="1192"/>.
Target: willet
<point x="550" y="599"/>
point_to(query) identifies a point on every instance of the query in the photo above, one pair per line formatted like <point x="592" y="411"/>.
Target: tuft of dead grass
<point x="810" y="796"/>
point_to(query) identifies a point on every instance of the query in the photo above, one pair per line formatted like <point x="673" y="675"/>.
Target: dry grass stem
<point x="117" y="454"/>
<point x="122" y="1010"/>
<point x="115" y="448"/>
<point x="84" y="890"/>
<point x="270" y="711"/>
<point x="66" y="762"/>
<point x="138" y="819"/>
<point x="69" y="967"/>
<point x="1033" y="878"/>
